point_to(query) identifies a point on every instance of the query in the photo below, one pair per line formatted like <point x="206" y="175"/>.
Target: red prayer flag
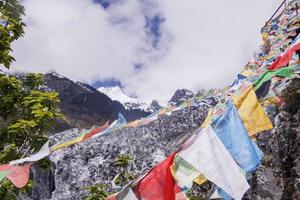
<point x="158" y="184"/>
<point x="95" y="131"/>
<point x="19" y="175"/>
<point x="112" y="197"/>
<point x="284" y="60"/>
<point x="5" y="167"/>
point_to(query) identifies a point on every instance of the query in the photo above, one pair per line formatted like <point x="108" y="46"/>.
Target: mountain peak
<point x="180" y="96"/>
<point x="117" y="94"/>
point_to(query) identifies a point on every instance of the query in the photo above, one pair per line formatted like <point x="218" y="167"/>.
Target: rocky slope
<point x="180" y="96"/>
<point x="154" y="106"/>
<point x="92" y="161"/>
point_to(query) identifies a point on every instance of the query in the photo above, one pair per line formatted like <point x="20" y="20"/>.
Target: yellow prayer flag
<point x="184" y="173"/>
<point x="200" y="179"/>
<point x="66" y="144"/>
<point x="265" y="36"/>
<point x="251" y="112"/>
<point x="134" y="123"/>
<point x="208" y="118"/>
<point x="178" y="171"/>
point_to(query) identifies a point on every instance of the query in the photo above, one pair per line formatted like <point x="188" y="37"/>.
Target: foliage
<point x="124" y="177"/>
<point x="97" y="192"/>
<point x="11" y="28"/>
<point x="9" y="192"/>
<point x="26" y="115"/>
<point x="122" y="162"/>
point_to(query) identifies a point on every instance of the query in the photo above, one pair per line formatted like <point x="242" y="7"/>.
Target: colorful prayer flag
<point x="95" y="131"/>
<point x="19" y="175"/>
<point x="284" y="59"/>
<point x="252" y="113"/>
<point x="283" y="72"/>
<point x="119" y="123"/>
<point x="231" y="131"/>
<point x="184" y="173"/>
<point x="211" y="158"/>
<point x="42" y="153"/>
<point x="3" y="174"/>
<point x="158" y="184"/>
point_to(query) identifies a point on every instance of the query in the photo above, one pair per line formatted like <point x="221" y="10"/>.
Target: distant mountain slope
<point x="84" y="106"/>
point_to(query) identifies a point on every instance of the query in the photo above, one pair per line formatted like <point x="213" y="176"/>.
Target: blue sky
<point x="150" y="47"/>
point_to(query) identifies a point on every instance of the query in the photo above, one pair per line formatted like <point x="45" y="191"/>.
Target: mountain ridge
<point x="95" y="108"/>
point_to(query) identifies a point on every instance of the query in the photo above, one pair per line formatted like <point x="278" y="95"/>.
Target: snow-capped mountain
<point x="94" y="107"/>
<point x="117" y="94"/>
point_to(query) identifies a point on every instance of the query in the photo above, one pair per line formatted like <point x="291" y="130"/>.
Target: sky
<point x="149" y="47"/>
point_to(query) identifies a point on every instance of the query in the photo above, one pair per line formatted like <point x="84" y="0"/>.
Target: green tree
<point x="97" y="192"/>
<point x="26" y="115"/>
<point x="26" y="112"/>
<point x="11" y="28"/>
<point x="122" y="163"/>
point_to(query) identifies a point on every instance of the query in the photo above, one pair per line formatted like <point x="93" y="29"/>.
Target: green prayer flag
<point x="3" y="174"/>
<point x="284" y="72"/>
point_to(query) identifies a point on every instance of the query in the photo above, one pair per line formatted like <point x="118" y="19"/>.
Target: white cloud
<point x="212" y="41"/>
<point x="76" y="38"/>
<point x="203" y="44"/>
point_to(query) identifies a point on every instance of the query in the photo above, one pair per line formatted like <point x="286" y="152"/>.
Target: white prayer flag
<point x="43" y="152"/>
<point x="209" y="155"/>
<point x="130" y="196"/>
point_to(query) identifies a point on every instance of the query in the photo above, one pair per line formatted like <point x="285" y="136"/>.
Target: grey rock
<point x="180" y="96"/>
<point x="92" y="161"/>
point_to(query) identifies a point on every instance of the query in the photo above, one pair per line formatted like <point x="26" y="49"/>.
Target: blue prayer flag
<point x="232" y="132"/>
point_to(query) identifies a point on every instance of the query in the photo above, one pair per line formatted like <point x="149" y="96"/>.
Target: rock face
<point x="44" y="184"/>
<point x="279" y="175"/>
<point x="154" y="106"/>
<point x="84" y="106"/>
<point x="91" y="162"/>
<point x="180" y="96"/>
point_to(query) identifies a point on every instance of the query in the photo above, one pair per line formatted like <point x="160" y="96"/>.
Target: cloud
<point x="80" y="39"/>
<point x="153" y="47"/>
<point x="211" y="42"/>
